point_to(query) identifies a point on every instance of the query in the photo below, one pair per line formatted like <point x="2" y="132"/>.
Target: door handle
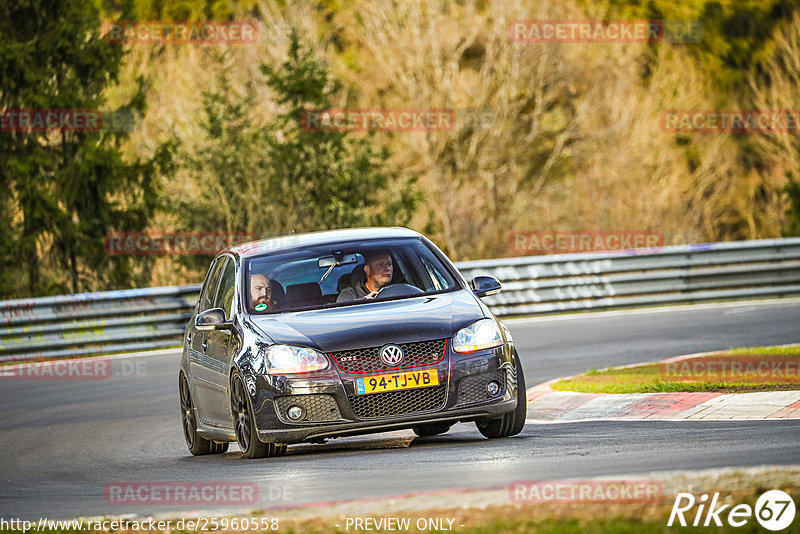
<point x="204" y="344"/>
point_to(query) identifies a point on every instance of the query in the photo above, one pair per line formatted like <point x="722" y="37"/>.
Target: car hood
<point x="375" y="323"/>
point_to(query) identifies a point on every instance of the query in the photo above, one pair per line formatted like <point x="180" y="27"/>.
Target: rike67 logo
<point x="774" y="510"/>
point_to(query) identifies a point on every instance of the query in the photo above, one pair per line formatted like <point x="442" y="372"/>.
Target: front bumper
<point x="332" y="409"/>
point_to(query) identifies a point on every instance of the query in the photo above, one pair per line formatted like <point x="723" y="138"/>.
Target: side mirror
<point x="213" y="319"/>
<point x="484" y="286"/>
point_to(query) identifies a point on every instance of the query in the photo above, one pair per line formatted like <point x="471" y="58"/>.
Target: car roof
<point x="291" y="241"/>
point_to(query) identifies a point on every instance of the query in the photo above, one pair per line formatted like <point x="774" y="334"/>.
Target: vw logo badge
<point x="391" y="354"/>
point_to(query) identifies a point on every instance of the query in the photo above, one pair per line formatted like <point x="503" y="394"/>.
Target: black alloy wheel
<point x="513" y="422"/>
<point x="244" y="425"/>
<point x="198" y="445"/>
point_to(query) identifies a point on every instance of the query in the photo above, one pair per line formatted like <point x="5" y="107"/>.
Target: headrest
<point x="344" y="281"/>
<point x="357" y="275"/>
<point x="277" y="290"/>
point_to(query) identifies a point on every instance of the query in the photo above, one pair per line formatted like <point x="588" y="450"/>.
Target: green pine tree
<point x="275" y="178"/>
<point x="327" y="179"/>
<point x="63" y="191"/>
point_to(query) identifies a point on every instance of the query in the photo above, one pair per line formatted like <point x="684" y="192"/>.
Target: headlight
<point x="483" y="334"/>
<point x="285" y="359"/>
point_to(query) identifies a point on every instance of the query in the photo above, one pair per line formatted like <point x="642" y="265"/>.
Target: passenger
<point x="378" y="269"/>
<point x="261" y="293"/>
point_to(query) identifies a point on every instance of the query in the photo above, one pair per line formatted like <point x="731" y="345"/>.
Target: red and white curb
<point x="546" y="405"/>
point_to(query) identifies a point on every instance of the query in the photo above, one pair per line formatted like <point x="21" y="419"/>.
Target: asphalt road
<point x="63" y="442"/>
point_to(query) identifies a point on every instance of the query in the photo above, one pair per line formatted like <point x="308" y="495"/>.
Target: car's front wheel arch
<point x="513" y="422"/>
<point x="244" y="425"/>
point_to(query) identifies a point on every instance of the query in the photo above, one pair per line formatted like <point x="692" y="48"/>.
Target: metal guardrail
<point x="669" y="275"/>
<point x="139" y="319"/>
<point x="94" y="323"/>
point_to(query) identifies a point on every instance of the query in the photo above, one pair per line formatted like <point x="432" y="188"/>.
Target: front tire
<point x="511" y="423"/>
<point x="198" y="445"/>
<point x="432" y="429"/>
<point x="245" y="427"/>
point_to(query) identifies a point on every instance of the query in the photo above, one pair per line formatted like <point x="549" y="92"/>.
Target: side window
<point x="210" y="287"/>
<point x="433" y="273"/>
<point x="436" y="277"/>
<point x="224" y="297"/>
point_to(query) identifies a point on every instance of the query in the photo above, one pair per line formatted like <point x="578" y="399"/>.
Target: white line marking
<point x="628" y="420"/>
<point x="661" y="309"/>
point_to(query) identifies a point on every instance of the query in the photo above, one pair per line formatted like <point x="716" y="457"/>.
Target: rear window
<point x="344" y="274"/>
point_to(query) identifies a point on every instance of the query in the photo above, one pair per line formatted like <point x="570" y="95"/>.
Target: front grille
<point x="472" y="388"/>
<point x="317" y="408"/>
<point x="406" y="401"/>
<point x="368" y="359"/>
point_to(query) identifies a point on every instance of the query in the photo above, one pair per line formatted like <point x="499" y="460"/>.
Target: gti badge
<point x="391" y="355"/>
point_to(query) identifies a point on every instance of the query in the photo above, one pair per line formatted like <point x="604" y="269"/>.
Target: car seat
<point x="278" y="295"/>
<point x="301" y="295"/>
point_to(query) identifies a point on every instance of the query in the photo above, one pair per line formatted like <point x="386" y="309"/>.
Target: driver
<point x="378" y="269"/>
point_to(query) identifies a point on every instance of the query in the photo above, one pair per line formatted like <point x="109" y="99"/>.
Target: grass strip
<point x="737" y="370"/>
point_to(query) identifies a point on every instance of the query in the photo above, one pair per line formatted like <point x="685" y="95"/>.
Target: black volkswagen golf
<point x="309" y="337"/>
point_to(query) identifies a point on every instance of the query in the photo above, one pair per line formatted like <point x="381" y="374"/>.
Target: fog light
<point x="295" y="413"/>
<point x="492" y="388"/>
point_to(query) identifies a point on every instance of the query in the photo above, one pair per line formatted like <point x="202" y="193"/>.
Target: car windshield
<point x="342" y="274"/>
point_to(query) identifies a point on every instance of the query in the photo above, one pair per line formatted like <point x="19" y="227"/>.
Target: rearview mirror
<point x="327" y="261"/>
<point x="484" y="286"/>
